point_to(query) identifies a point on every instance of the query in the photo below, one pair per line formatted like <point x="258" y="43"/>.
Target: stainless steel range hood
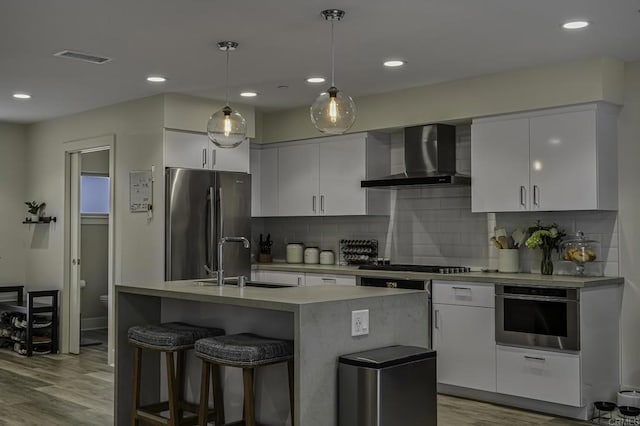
<point x="429" y="159"/>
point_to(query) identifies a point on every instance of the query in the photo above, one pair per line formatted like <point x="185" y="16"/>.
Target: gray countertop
<point x="282" y="299"/>
<point x="567" y="281"/>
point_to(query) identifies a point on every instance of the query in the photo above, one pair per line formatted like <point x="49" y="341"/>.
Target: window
<point x="94" y="195"/>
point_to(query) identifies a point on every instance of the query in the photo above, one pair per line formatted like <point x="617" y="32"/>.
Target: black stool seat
<point x="249" y="352"/>
<point x="169" y="336"/>
<point x="244" y="350"/>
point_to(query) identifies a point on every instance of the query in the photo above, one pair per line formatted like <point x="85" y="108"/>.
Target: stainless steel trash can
<point x="390" y="386"/>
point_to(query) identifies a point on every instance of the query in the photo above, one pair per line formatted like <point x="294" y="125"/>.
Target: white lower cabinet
<point x="318" y="279"/>
<point x="464" y="334"/>
<point x="543" y="375"/>
<point x="280" y="277"/>
<point x="301" y="278"/>
<point x="464" y="338"/>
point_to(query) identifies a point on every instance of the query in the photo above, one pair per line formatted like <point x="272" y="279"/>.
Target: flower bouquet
<point x="547" y="238"/>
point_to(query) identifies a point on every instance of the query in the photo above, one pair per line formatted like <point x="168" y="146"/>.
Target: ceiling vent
<point x="79" y="56"/>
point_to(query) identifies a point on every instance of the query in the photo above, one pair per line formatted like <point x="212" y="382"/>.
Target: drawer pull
<point x="329" y="280"/>
<point x="299" y="281"/>
<point x="535" y="358"/>
<point x="462" y="292"/>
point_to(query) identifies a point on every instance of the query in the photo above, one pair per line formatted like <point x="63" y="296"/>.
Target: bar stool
<point x="246" y="351"/>
<point x="168" y="338"/>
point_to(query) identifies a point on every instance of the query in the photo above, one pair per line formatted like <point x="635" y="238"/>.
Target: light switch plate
<point x="360" y="322"/>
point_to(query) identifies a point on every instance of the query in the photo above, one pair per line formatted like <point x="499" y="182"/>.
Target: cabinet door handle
<point x="322" y="203"/>
<point x="523" y="196"/>
<point x="204" y="157"/>
<point x="313" y="203"/>
<point x="534" y="358"/>
<point x="214" y="157"/>
<point x="536" y="195"/>
<point x="299" y="281"/>
<point x="436" y="322"/>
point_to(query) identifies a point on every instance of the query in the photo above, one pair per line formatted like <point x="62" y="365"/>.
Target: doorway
<point x="86" y="308"/>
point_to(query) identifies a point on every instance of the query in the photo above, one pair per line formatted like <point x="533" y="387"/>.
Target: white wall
<point x="12" y="208"/>
<point x="137" y="126"/>
<point x="629" y="222"/>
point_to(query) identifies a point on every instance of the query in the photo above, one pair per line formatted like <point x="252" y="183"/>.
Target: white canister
<point x="312" y="255"/>
<point x="327" y="257"/>
<point x="295" y="252"/>
<point x="509" y="260"/>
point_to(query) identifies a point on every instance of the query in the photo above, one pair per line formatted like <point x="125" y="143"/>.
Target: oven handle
<point x="537" y="298"/>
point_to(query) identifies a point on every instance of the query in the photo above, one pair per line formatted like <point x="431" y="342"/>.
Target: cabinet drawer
<point x="541" y="375"/>
<point x="317" y="279"/>
<point x="280" y="277"/>
<point x="464" y="293"/>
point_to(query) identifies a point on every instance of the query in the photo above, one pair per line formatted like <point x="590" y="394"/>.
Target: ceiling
<point x="281" y="43"/>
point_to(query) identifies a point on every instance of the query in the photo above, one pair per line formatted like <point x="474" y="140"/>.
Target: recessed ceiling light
<point x="315" y="80"/>
<point x="22" y="96"/>
<point x="248" y="94"/>
<point x="156" y="79"/>
<point x="394" y="63"/>
<point x="575" y="25"/>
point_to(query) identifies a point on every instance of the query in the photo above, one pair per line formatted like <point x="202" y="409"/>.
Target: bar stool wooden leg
<point x="290" y="366"/>
<point x="249" y="413"/>
<point x="218" y="399"/>
<point x="179" y="391"/>
<point x="135" y="400"/>
<point x="171" y="385"/>
<point x="204" y="395"/>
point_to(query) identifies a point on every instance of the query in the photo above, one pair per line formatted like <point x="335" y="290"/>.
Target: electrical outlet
<point x="360" y="322"/>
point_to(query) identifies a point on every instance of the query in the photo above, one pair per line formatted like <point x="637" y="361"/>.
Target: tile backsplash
<point x="434" y="225"/>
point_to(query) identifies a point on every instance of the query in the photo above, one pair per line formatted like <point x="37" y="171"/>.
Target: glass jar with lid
<point x="580" y="251"/>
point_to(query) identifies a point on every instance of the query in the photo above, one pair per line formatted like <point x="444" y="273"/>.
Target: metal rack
<point x="358" y="252"/>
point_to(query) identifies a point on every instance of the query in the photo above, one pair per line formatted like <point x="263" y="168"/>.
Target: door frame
<point x="97" y="143"/>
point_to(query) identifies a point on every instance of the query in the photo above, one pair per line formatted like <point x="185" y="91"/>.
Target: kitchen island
<point x="317" y="319"/>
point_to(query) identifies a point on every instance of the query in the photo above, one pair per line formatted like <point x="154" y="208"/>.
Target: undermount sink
<point x="233" y="281"/>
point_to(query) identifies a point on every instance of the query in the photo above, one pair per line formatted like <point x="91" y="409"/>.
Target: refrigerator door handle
<point x="211" y="244"/>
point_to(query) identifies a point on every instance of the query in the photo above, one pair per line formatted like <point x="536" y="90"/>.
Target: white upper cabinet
<point x="298" y="178"/>
<point x="552" y="160"/>
<point x="321" y="177"/>
<point x="195" y="151"/>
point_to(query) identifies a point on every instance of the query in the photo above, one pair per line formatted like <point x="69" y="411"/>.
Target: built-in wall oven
<point x="541" y="317"/>
<point x="407" y="284"/>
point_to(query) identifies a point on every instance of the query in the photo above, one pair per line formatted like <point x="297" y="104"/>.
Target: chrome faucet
<point x="223" y="240"/>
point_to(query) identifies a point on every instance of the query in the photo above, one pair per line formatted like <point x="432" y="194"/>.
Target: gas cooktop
<point x="418" y="268"/>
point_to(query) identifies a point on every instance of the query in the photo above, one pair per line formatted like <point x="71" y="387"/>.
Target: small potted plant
<point x="264" y="247"/>
<point x="547" y="238"/>
<point x="35" y="209"/>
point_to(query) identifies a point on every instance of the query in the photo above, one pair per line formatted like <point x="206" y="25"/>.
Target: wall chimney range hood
<point x="429" y="160"/>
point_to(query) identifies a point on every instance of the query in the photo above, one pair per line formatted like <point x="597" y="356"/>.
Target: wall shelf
<point x="43" y="220"/>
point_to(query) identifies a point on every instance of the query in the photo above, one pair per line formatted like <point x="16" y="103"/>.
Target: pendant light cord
<point x="333" y="56"/>
<point x="227" y="83"/>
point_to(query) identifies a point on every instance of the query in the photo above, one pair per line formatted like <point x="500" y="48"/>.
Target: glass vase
<point x="546" y="265"/>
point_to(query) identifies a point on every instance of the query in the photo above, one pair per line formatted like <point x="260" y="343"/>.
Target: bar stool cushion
<point x="170" y="336"/>
<point x="245" y="349"/>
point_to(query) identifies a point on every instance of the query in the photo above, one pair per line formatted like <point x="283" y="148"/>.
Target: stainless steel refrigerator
<point x="202" y="206"/>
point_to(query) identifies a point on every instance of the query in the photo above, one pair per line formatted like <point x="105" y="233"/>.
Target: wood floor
<point x="78" y="390"/>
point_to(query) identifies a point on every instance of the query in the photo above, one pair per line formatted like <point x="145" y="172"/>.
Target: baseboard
<point x="95" y="323"/>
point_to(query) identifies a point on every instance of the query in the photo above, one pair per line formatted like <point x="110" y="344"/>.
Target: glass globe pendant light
<point x="333" y="112"/>
<point x="227" y="128"/>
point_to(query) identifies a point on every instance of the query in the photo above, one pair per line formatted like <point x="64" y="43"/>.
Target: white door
<point x="74" y="228"/>
<point x="500" y="166"/>
<point x="342" y="167"/>
<point x="298" y="176"/>
<point x="186" y="149"/>
<point x="229" y="159"/>
<point x="563" y="161"/>
<point x="464" y="337"/>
